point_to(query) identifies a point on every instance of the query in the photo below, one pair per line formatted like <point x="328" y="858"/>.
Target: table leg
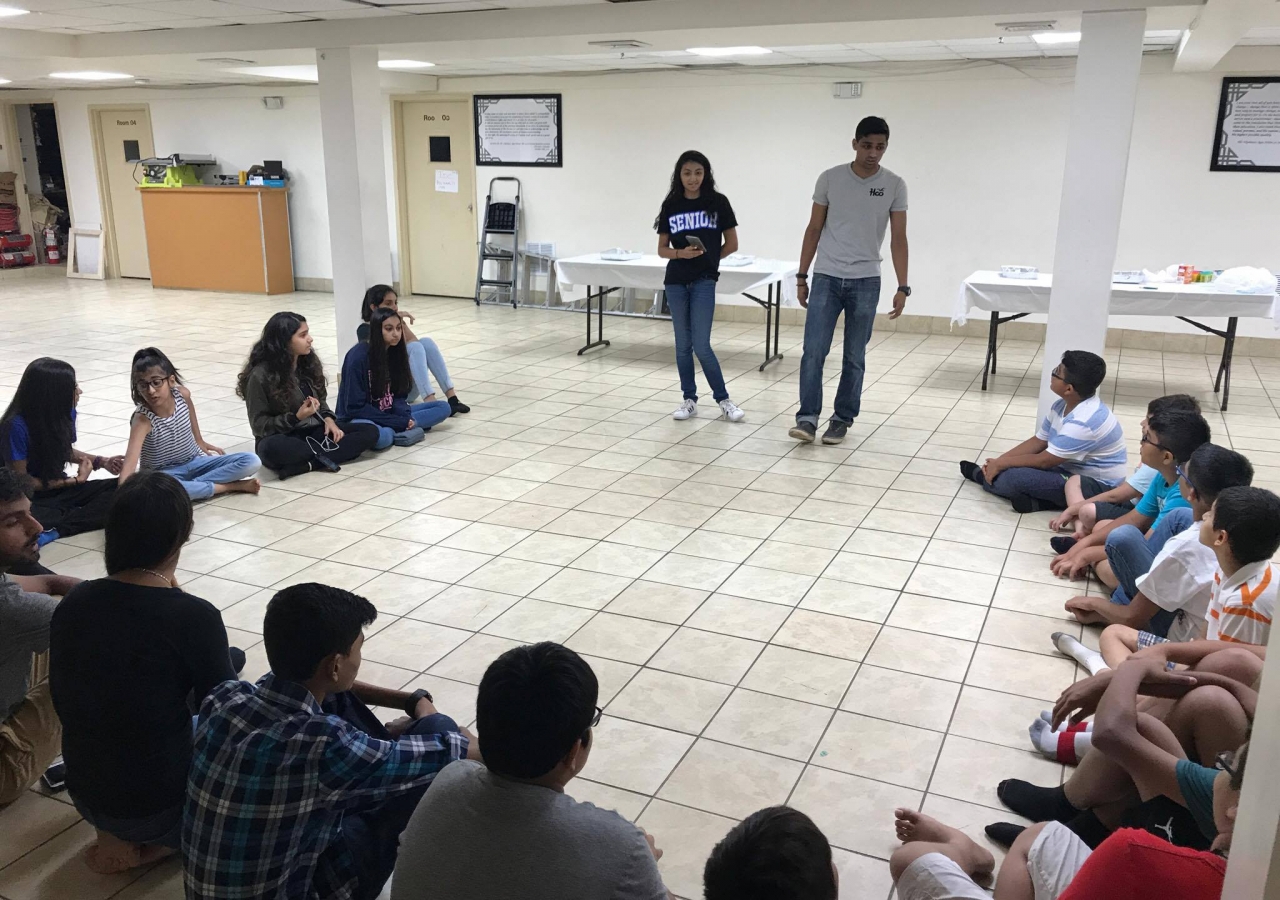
<point x="600" y="341"/>
<point x="772" y="315"/>
<point x="989" y="365"/>
<point x="1224" y="367"/>
<point x="777" y="321"/>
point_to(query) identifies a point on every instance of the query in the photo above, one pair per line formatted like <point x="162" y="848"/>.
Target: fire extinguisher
<point x="52" y="253"/>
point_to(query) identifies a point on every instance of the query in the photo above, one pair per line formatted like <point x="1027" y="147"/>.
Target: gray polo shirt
<point x="478" y="836"/>
<point x="857" y="216"/>
<point x="24" y="630"/>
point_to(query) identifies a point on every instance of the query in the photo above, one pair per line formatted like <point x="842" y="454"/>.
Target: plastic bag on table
<point x="1245" y="280"/>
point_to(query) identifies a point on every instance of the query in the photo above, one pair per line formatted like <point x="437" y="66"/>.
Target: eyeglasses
<point x="1182" y="473"/>
<point x="153" y="384"/>
<point x="1057" y="375"/>
<point x="595" y="720"/>
<point x="1146" y="439"/>
<point x="1226" y="761"/>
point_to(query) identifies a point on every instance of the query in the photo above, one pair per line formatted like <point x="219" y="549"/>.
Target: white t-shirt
<point x="1142" y="477"/>
<point x="1181" y="580"/>
<point x="1241" y="607"/>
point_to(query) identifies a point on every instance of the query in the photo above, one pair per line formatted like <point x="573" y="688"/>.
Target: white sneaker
<point x="731" y="412"/>
<point x="688" y="409"/>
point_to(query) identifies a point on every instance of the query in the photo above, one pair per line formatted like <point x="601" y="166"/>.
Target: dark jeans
<point x="693" y="307"/>
<point x="372" y="836"/>
<point x="163" y="828"/>
<point x="1131" y="554"/>
<point x="291" y="454"/>
<point x="828" y="298"/>
<point x="1092" y="487"/>
<point x="76" y="508"/>
<point x="1046" y="485"/>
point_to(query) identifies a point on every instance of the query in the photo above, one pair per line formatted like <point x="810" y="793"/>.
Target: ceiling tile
<point x="298" y="6"/>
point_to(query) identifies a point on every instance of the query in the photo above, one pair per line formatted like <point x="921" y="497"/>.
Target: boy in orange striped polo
<point x="1243" y="529"/>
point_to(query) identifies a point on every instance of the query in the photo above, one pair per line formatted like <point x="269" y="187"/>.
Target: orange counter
<point x="219" y="238"/>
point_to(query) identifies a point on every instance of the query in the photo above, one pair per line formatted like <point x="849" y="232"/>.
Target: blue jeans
<point x="693" y="306"/>
<point x="828" y="298"/>
<point x="1131" y="554"/>
<point x="372" y="835"/>
<point x="424" y="357"/>
<point x="424" y="416"/>
<point x="1047" y="485"/>
<point x="163" y="828"/>
<point x="202" y="473"/>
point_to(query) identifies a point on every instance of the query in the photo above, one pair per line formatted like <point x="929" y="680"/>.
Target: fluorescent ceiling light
<point x="287" y="73"/>
<point x="90" y="76"/>
<point x="5" y="81"/>
<point x="404" y="64"/>
<point x="729" y="51"/>
<point x="13" y="11"/>
<point x="1057" y="37"/>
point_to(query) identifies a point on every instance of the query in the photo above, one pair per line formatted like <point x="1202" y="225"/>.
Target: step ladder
<point x="501" y="219"/>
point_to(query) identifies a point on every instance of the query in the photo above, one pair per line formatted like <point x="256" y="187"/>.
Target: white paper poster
<point x="446" y="181"/>
<point x="1248" y="135"/>
<point x="518" y="130"/>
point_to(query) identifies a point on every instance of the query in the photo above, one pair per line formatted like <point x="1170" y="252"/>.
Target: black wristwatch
<point x="905" y="289"/>
<point x="413" y="701"/>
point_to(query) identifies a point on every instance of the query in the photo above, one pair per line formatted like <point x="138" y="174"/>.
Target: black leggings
<point x="291" y="454"/>
<point x="76" y="508"/>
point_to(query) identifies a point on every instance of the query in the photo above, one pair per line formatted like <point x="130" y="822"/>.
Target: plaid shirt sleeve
<point x="359" y="768"/>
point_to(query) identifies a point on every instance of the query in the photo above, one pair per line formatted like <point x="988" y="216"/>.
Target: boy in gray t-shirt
<point x="853" y="205"/>
<point x="506" y="830"/>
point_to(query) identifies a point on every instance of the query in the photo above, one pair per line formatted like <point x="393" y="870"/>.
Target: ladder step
<point x="506" y="256"/>
<point x="499" y="231"/>
<point x="497" y="282"/>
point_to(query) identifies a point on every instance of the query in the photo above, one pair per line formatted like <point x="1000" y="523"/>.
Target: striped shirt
<point x="1088" y="439"/>
<point x="171" y="442"/>
<point x="1240" y="608"/>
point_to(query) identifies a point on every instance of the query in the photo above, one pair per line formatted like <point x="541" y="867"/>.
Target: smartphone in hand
<point x="695" y="242"/>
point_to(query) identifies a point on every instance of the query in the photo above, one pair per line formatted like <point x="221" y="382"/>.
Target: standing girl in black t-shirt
<point x="694" y="208"/>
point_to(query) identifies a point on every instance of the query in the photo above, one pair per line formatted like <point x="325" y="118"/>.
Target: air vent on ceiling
<point x="619" y="44"/>
<point x="226" y="61"/>
<point x="1027" y="27"/>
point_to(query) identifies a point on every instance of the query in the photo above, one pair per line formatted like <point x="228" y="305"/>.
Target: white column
<point x="1106" y="89"/>
<point x="355" y="180"/>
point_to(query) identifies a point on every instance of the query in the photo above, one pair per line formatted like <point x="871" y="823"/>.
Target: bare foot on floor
<point x="247" y="486"/>
<point x="912" y="826"/>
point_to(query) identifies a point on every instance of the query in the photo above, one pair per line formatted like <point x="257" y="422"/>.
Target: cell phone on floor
<point x="55" y="777"/>
<point x="695" y="242"/>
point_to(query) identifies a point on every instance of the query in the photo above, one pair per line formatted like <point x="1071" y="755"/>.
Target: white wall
<point x="232" y="125"/>
<point x="981" y="148"/>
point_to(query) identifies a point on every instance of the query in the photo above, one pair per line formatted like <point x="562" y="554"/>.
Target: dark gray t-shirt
<point x="24" y="630"/>
<point x="477" y="836"/>
<point x="857" y="216"/>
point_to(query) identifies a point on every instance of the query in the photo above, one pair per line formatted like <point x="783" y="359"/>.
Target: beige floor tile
<point x="584" y="524"/>
<point x="995" y="717"/>
<point x="220" y="592"/>
<point x="620" y="638"/>
<point x="616" y="502"/>
<point x="746" y="524"/>
<point x="874" y="748"/>
<point x="767" y="584"/>
<point x="484" y="538"/>
<point x="55" y="869"/>
<point x="935" y="616"/>
<point x="861" y="877"/>
<point x="902" y="697"/>
<point x="203" y="556"/>
<point x="511" y="576"/>
<point x="686" y="837"/>
<point x="378" y="552"/>
<point x="831" y="512"/>
<point x="1019" y="631"/>
<point x="532" y="620"/>
<point x="921" y="654"/>
<point x="366" y="518"/>
<point x="898" y="522"/>
<point x="634" y="756"/>
<point x="704" y="654"/>
<point x="842" y="598"/>
<point x="469" y="661"/>
<point x="410" y="644"/>
<point x="626" y="803"/>
<point x="812" y="534"/>
<point x="30" y="821"/>
<point x="718" y="545"/>
<point x="443" y="564"/>
<point x="875" y="571"/>
<point x="739" y="617"/>
<point x="669" y="700"/>
<point x="969" y="557"/>
<point x="318" y="541"/>
<point x="690" y="571"/>
<point x="794" y="558"/>
<point x="257" y="531"/>
<point x="854" y="813"/>
<point x="395" y="595"/>
<point x="776" y="725"/>
<point x="554" y="549"/>
<point x="575" y="587"/>
<point x="617" y="559"/>
<point x="310" y="509"/>
<point x="730" y="781"/>
<point x="971" y="770"/>
<point x="659" y="602"/>
<point x="263" y="567"/>
<point x="982" y="534"/>
<point x="463" y="607"/>
<point x="952" y="584"/>
<point x="868" y="542"/>
<point x="1016" y="672"/>
<point x="822" y="633"/>
<point x="424" y="528"/>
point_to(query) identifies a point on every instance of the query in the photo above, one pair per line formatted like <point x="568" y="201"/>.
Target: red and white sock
<point x="1067" y="745"/>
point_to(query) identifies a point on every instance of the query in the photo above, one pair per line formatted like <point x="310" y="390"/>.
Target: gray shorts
<point x="1055" y="857"/>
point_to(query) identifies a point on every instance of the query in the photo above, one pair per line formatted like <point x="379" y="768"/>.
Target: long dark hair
<point x="271" y="351"/>
<point x="388" y="366"/>
<point x="149" y="358"/>
<point x="708" y="188"/>
<point x="149" y="521"/>
<point x="373" y="299"/>
<point x="45" y="397"/>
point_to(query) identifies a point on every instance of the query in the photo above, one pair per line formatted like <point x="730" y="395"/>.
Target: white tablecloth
<point x="649" y="273"/>
<point x="988" y="291"/>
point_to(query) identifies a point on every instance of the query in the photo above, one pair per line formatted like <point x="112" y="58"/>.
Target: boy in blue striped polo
<point x="1079" y="436"/>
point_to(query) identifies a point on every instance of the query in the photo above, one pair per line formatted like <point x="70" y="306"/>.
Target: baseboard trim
<point x="319" y="285"/>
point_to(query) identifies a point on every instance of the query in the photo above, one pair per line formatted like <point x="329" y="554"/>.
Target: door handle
<point x="471" y="207"/>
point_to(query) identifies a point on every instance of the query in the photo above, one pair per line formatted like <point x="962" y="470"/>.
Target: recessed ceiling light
<point x="5" y="81"/>
<point x="404" y="64"/>
<point x="90" y="76"/>
<point x="729" y="51"/>
<point x="13" y="11"/>
<point x="1022" y="27"/>
<point x="1057" y="37"/>
<point x="287" y="73"/>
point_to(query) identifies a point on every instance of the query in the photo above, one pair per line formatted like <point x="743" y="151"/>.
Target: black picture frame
<point x="555" y="102"/>
<point x="1224" y="158"/>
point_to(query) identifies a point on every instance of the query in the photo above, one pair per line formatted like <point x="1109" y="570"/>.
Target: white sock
<point x="1047" y="715"/>
<point x="1069" y="646"/>
<point x="1067" y="745"/>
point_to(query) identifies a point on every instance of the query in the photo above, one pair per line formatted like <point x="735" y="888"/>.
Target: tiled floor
<point x="846" y="629"/>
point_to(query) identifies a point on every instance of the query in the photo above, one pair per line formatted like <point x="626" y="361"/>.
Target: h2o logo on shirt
<point x="877" y="192"/>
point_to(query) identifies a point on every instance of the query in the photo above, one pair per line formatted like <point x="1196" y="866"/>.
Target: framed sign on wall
<point x="519" y="130"/>
<point x="1248" y="135"/>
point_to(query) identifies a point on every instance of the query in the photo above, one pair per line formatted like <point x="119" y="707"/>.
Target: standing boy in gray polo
<point x="852" y="206"/>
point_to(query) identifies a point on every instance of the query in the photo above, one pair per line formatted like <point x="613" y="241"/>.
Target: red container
<point x="15" y="241"/>
<point x="12" y="259"/>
